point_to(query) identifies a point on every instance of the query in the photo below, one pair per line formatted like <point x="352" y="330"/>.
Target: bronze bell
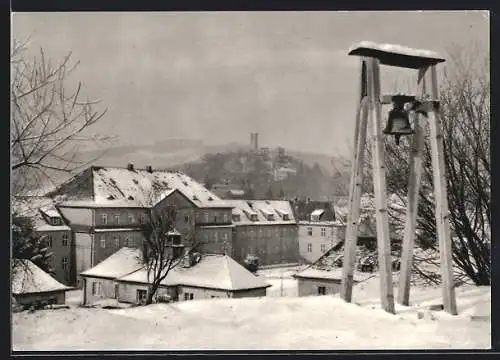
<point x="398" y="123"/>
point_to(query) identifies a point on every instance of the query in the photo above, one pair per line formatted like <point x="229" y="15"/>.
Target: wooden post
<point x="351" y="235"/>
<point x="415" y="164"/>
<point x="440" y="194"/>
<point x="383" y="240"/>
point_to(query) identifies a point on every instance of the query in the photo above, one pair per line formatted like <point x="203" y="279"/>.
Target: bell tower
<point x="421" y="107"/>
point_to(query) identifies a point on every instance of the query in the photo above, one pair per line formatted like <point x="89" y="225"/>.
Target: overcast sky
<point x="218" y="76"/>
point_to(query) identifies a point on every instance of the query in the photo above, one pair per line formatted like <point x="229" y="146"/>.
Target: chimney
<point x="130" y="167"/>
<point x="149" y="168"/>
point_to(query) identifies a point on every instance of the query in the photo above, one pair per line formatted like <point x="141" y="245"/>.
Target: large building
<point x="266" y="229"/>
<point x="103" y="209"/>
<point x="107" y="209"/>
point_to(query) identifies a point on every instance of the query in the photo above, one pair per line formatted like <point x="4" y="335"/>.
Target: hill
<point x="318" y="175"/>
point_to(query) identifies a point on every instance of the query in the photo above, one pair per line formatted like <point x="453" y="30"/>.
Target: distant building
<point x="123" y="277"/>
<point x="282" y="173"/>
<point x="31" y="285"/>
<point x="319" y="230"/>
<point x="254" y="141"/>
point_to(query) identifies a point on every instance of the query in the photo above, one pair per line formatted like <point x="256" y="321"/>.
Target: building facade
<point x="49" y="224"/>
<point x="265" y="229"/>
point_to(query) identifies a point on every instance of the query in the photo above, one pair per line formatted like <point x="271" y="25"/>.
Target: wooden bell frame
<point x="370" y="108"/>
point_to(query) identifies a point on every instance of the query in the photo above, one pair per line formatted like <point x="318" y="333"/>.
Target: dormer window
<point x="270" y="217"/>
<point x="236" y="217"/>
<point x="55" y="221"/>
<point x="254" y="217"/>
<point x="286" y="217"/>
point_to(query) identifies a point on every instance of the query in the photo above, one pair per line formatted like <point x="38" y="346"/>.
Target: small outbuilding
<point x="31" y="286"/>
<point x="324" y="277"/>
<point x="124" y="278"/>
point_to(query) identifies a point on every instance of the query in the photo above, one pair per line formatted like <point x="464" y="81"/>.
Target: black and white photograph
<point x="250" y="180"/>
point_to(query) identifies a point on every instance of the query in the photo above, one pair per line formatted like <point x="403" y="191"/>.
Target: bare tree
<point x="465" y="110"/>
<point x="48" y="121"/>
<point x="161" y="253"/>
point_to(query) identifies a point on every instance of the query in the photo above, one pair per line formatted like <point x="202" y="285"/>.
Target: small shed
<point x="312" y="281"/>
<point x="33" y="286"/>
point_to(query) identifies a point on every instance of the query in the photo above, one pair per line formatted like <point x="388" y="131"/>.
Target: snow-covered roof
<point x="123" y="262"/>
<point x="396" y="55"/>
<point x="331" y="274"/>
<point x="123" y="187"/>
<point x="212" y="271"/>
<point x="246" y="208"/>
<point x="32" y="208"/>
<point x="27" y="278"/>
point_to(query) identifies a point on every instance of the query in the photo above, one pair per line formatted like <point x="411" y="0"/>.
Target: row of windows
<point x="128" y="241"/>
<point x="215" y="236"/>
<point x="64" y="239"/>
<point x="268" y="232"/>
<point x="323" y="231"/>
<point x="216" y="217"/>
<point x="310" y="247"/>
<point x="130" y="219"/>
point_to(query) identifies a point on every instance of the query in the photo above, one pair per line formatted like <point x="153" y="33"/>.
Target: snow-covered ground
<point x="286" y="323"/>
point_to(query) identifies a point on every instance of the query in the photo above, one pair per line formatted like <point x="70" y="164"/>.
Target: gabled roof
<point x="278" y="208"/>
<point x="33" y="207"/>
<point x="27" y="278"/>
<point x="212" y="271"/>
<point x="122" y="187"/>
<point x="123" y="262"/>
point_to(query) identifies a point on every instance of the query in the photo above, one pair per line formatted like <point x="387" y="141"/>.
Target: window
<point x="141" y="295"/>
<point x="236" y="217"/>
<point x="104" y="219"/>
<point x="188" y="296"/>
<point x="49" y="240"/>
<point x="310" y="231"/>
<point x="226" y="217"/>
<point x="55" y="220"/>
<point x="103" y="242"/>
<point x="206" y="216"/>
<point x="286" y="217"/>
<point x="216" y="238"/>
<point x="186" y="218"/>
<point x="323" y="232"/>
<point x="143" y="219"/>
<point x="226" y="237"/>
<point x="64" y="263"/>
<point x="131" y="219"/>
<point x="321" y="290"/>
<point x="309" y="247"/>
<point x="65" y="239"/>
<point x="323" y="247"/>
<point x="215" y="218"/>
<point x="117" y="242"/>
<point x="96" y="288"/>
<point x="117" y="219"/>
